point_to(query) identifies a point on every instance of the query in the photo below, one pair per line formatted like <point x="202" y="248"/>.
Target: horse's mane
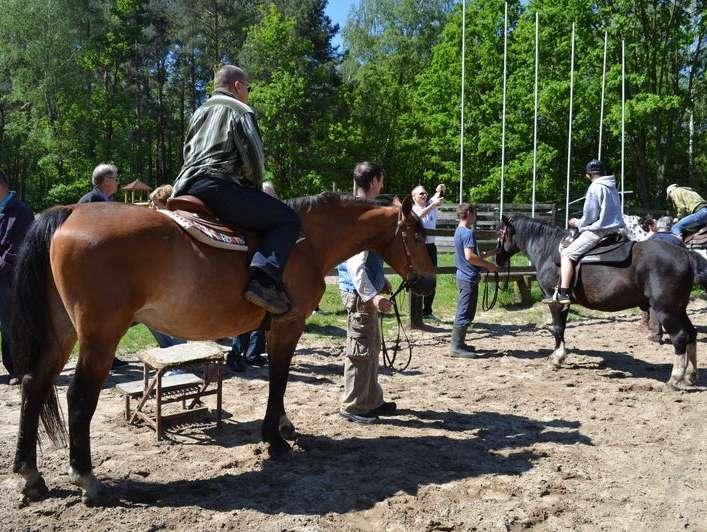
<point x="328" y="199"/>
<point x="544" y="235"/>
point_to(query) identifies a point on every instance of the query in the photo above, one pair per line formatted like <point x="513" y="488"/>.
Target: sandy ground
<point x="502" y="442"/>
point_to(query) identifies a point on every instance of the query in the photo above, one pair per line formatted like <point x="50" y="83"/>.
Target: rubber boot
<point x="458" y="348"/>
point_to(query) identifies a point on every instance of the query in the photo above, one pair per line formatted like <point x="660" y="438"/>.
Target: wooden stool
<point x="173" y="388"/>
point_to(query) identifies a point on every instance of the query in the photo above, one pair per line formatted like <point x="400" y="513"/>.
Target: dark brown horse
<point x="88" y="272"/>
<point x="658" y="275"/>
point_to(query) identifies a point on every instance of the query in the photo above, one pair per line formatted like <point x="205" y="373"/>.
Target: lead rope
<point x="389" y="360"/>
<point x="485" y="297"/>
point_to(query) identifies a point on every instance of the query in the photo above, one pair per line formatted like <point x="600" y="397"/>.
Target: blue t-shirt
<point x="465" y="238"/>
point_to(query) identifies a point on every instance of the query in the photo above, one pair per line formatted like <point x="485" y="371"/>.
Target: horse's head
<point x="506" y="247"/>
<point x="407" y="253"/>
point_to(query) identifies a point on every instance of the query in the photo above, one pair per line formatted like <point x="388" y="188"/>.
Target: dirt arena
<point x="502" y="442"/>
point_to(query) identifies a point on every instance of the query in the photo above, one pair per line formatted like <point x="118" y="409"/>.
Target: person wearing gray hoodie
<point x="601" y="216"/>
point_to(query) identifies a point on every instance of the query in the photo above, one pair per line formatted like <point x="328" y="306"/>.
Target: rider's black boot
<point x="264" y="292"/>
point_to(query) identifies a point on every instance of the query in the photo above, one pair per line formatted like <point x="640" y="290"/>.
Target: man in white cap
<point x="691" y="207"/>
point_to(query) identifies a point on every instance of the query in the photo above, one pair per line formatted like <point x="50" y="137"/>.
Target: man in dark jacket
<point x="224" y="167"/>
<point x="105" y="184"/>
<point x="15" y="219"/>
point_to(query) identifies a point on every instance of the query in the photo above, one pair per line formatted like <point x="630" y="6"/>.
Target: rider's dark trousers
<point x="253" y="209"/>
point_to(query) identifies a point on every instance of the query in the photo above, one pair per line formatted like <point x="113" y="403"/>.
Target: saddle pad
<point x="613" y="253"/>
<point x="208" y="232"/>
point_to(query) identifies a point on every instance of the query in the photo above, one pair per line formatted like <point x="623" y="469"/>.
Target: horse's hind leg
<point x="683" y="337"/>
<point x="281" y="343"/>
<point x="36" y="391"/>
<point x="95" y="359"/>
<point x="691" y="375"/>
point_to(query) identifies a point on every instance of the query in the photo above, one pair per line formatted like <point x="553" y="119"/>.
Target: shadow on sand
<point x="340" y="475"/>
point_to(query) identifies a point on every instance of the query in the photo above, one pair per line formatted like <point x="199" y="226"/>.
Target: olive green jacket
<point x="223" y="142"/>
<point x="686" y="201"/>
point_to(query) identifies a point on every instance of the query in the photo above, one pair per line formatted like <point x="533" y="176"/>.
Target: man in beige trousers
<point x="363" y="292"/>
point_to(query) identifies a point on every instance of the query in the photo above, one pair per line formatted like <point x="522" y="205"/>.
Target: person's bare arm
<point x="477" y="261"/>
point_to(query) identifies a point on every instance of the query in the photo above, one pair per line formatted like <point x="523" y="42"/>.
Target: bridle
<point x="411" y="274"/>
<point x="411" y="278"/>
<point x="486" y="305"/>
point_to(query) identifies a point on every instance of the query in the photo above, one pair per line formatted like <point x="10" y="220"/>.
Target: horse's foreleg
<point x="92" y="369"/>
<point x="281" y="343"/>
<point x="559" y="321"/>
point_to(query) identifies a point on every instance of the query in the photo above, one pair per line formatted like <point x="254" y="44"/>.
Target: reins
<point x="389" y="359"/>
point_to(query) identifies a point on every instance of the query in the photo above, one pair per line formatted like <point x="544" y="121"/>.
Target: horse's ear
<point x="407" y="206"/>
<point x="396" y="202"/>
<point x="506" y="220"/>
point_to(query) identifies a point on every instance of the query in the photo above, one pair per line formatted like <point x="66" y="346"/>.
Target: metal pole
<point x="623" y="124"/>
<point x="603" y="85"/>
<point x="503" y="115"/>
<point x="461" y="128"/>
<point x="569" y="135"/>
<point x="535" y="120"/>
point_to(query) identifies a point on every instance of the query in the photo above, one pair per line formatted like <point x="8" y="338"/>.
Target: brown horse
<point x="87" y="273"/>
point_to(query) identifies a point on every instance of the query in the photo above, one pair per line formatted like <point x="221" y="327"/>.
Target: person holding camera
<point x="426" y="208"/>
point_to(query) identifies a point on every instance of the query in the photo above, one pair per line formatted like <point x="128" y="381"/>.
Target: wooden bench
<point x="180" y="387"/>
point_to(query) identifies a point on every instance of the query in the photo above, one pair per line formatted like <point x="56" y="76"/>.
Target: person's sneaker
<point x="431" y="317"/>
<point x="236" y="364"/>
<point x="257" y="360"/>
<point x="557" y="299"/>
<point x="117" y="363"/>
<point x="385" y="408"/>
<point x="362" y="417"/>
<point x="267" y="296"/>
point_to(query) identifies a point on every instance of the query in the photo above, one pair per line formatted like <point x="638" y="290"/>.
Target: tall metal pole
<point x="569" y="135"/>
<point x="535" y="120"/>
<point x="623" y="123"/>
<point x="503" y="115"/>
<point x="603" y="85"/>
<point x="461" y="127"/>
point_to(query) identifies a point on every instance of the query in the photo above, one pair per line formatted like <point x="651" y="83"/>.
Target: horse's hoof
<point x="93" y="492"/>
<point x="280" y="452"/>
<point x="35" y="489"/>
<point x="679" y="386"/>
<point x="655" y="338"/>
<point x="555" y="363"/>
<point x="287" y="431"/>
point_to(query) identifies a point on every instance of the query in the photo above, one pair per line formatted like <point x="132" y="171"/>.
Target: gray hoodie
<point x="602" y="207"/>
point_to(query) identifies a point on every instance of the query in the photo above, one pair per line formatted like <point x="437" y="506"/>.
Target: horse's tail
<point x="29" y="325"/>
<point x="699" y="268"/>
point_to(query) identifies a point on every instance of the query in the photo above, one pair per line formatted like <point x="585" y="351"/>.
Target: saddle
<point x="697" y="240"/>
<point x="194" y="217"/>
<point x="610" y="250"/>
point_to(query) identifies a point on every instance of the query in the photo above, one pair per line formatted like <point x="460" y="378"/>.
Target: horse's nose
<point x="423" y="285"/>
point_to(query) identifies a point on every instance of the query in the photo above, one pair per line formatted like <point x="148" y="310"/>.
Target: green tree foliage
<point x="88" y="81"/>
